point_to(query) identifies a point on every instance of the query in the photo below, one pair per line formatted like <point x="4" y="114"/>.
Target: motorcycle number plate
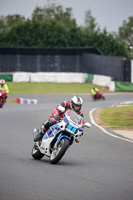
<point x="70" y="128"/>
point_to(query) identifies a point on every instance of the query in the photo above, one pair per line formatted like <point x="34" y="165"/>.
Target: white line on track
<point x="105" y="131"/>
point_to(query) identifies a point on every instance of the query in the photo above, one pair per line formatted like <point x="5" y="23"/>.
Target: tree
<point x="10" y="20"/>
<point x="54" y="12"/>
<point x="108" y="44"/>
<point x="2" y="23"/>
<point x="126" y="31"/>
<point x="90" y="21"/>
<point x="52" y="26"/>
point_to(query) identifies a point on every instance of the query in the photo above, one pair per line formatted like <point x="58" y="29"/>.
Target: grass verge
<point x="113" y="116"/>
<point x="47" y="88"/>
<point x="11" y="100"/>
<point x="117" y="116"/>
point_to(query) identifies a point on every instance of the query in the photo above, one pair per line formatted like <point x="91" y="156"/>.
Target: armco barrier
<point x="6" y="77"/>
<point x="26" y="101"/>
<point x="124" y="86"/>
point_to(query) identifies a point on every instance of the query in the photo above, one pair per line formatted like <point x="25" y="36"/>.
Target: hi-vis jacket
<point x="5" y="87"/>
<point x="94" y="91"/>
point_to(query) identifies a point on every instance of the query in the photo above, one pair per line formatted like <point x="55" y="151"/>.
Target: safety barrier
<point x="59" y="77"/>
<point x="26" y="101"/>
<point x="6" y="77"/>
<point x="62" y="77"/>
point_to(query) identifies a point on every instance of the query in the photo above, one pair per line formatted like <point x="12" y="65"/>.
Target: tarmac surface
<point x="99" y="167"/>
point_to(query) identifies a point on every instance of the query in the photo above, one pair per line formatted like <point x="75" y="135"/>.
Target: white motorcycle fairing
<point x="59" y="137"/>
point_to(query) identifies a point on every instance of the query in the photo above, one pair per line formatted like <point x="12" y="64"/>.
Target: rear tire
<point x="1" y="103"/>
<point x="36" y="154"/>
<point x="103" y="97"/>
<point x="59" y="150"/>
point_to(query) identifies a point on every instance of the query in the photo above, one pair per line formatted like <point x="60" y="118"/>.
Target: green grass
<point x="117" y="116"/>
<point x="11" y="100"/>
<point x="113" y="116"/>
<point x="47" y="88"/>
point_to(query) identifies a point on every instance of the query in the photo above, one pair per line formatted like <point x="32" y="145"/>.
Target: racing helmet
<point x="2" y="81"/>
<point x="76" y="101"/>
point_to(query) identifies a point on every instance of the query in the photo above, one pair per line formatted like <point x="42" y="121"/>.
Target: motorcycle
<point x="2" y="97"/>
<point x="59" y="137"/>
<point x="99" y="95"/>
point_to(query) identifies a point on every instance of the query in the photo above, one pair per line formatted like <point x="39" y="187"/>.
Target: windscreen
<point x="70" y="114"/>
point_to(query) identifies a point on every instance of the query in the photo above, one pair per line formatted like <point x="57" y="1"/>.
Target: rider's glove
<point x="57" y="117"/>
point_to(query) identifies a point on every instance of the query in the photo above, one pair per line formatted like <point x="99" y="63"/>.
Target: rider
<point x="4" y="86"/>
<point x="75" y="104"/>
<point x="94" y="91"/>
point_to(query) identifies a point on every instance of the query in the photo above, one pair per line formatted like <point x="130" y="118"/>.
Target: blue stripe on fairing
<point x="66" y="120"/>
<point x="62" y="136"/>
<point x="45" y="136"/>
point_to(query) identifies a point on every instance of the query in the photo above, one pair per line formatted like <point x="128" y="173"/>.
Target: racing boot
<point x="40" y="135"/>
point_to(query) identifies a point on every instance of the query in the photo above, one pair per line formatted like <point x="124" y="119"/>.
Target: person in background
<point x="4" y="86"/>
<point x="94" y="91"/>
<point x="75" y="104"/>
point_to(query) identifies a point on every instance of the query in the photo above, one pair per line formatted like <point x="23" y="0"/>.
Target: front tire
<point x="59" y="150"/>
<point x="36" y="154"/>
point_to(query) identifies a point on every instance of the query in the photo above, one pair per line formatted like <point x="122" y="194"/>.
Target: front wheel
<point x="36" y="154"/>
<point x="59" y="150"/>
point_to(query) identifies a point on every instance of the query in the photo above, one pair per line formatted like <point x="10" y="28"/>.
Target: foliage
<point x="54" y="12"/>
<point x="111" y="45"/>
<point x="7" y="22"/>
<point x="90" y="21"/>
<point x="52" y="26"/>
<point x="126" y="31"/>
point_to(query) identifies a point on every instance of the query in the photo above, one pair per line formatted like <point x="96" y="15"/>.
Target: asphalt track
<point x="100" y="167"/>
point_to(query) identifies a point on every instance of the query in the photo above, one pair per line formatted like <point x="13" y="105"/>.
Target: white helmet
<point x="2" y="81"/>
<point x="76" y="101"/>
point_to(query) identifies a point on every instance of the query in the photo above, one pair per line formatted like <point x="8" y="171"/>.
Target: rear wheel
<point x="1" y="103"/>
<point x="103" y="97"/>
<point x="59" y="150"/>
<point x="36" y="154"/>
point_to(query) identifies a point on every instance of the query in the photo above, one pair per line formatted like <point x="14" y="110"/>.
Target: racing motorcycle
<point x="59" y="136"/>
<point x="99" y="95"/>
<point x="2" y="97"/>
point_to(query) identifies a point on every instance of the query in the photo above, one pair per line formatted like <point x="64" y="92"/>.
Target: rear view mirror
<point x="87" y="124"/>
